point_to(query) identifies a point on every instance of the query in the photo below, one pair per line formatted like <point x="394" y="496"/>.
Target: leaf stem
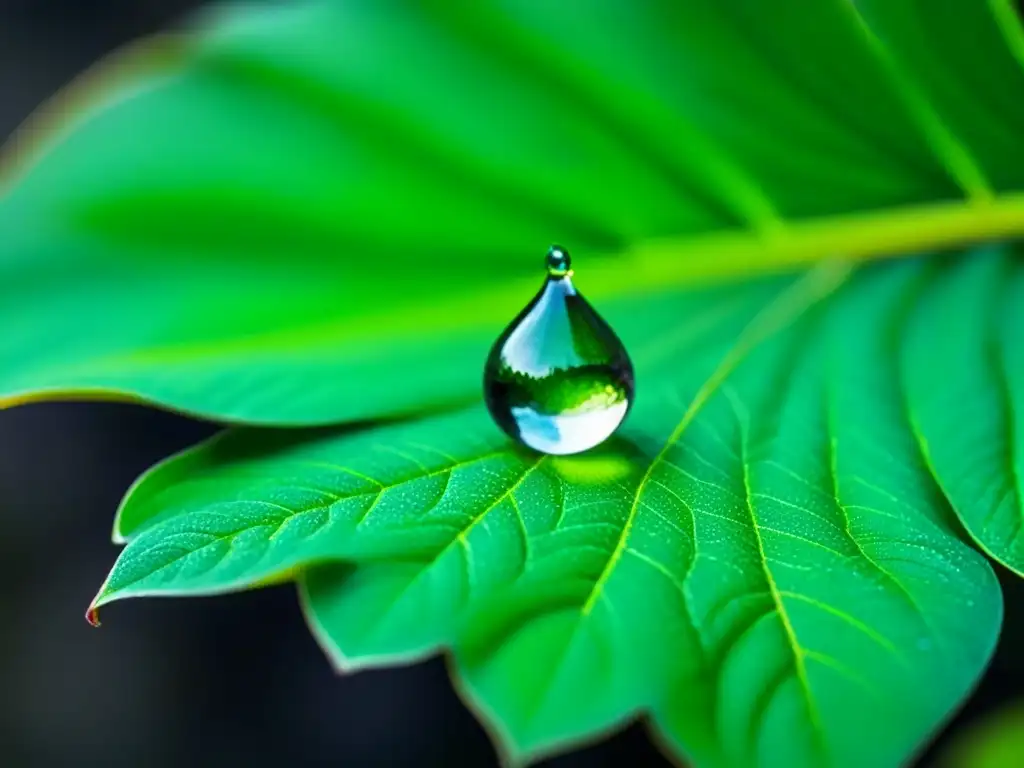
<point x="890" y="233"/>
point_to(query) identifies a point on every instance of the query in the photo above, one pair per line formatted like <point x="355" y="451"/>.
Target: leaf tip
<point x="92" y="615"/>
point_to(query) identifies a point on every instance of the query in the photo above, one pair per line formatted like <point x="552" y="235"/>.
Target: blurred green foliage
<point x="995" y="742"/>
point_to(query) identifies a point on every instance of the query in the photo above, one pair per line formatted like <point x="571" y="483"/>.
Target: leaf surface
<point x="266" y="219"/>
<point x="762" y="562"/>
<point x="285" y="222"/>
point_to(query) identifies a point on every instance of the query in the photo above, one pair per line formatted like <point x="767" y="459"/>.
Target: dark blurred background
<point x="232" y="680"/>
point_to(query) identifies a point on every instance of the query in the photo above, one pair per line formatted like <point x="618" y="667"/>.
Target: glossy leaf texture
<point x="267" y="218"/>
<point x="763" y="562"/>
<point x="278" y="220"/>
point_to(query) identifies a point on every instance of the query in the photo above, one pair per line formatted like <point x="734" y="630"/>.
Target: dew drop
<point x="558" y="379"/>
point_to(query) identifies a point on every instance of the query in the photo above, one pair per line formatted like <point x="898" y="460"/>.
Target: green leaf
<point x="762" y="562"/>
<point x="964" y="371"/>
<point x="266" y="219"/>
<point x="324" y="212"/>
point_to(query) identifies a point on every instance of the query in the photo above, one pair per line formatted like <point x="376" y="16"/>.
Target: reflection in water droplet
<point x="558" y="379"/>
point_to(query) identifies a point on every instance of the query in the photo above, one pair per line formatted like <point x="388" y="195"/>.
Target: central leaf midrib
<point x="858" y="236"/>
<point x="797" y="650"/>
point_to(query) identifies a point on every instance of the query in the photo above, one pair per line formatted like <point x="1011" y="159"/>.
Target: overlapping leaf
<point x="768" y="561"/>
<point x="763" y="561"/>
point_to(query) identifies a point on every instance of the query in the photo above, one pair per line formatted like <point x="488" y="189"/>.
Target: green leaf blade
<point x="235" y="258"/>
<point x="974" y="103"/>
<point x="962" y="374"/>
<point x="769" y="561"/>
<point x="768" y="579"/>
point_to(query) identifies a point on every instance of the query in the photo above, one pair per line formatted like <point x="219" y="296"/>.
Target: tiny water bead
<point x="558" y="261"/>
<point x="558" y="379"/>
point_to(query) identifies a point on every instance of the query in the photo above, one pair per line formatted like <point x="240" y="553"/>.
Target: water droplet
<point x="558" y="262"/>
<point x="558" y="379"/>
